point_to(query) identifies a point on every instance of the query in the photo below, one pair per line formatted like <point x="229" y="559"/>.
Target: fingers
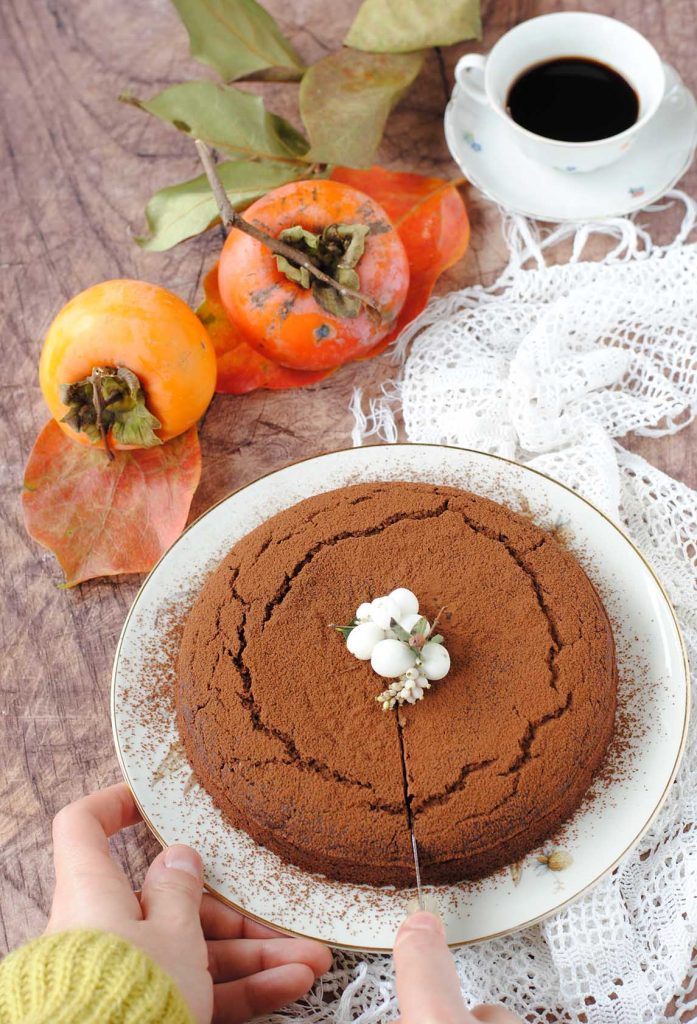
<point x="81" y="851"/>
<point x="173" y="888"/>
<point x="238" y="1001"/>
<point x="222" y="922"/>
<point x="494" y="1015"/>
<point x="80" y="830"/>
<point x="428" y="988"/>
<point x="239" y="958"/>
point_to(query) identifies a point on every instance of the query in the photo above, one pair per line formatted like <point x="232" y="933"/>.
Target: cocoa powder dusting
<point x="281" y="725"/>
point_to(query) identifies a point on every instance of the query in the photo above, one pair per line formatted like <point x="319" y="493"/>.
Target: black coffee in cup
<point x="573" y="99"/>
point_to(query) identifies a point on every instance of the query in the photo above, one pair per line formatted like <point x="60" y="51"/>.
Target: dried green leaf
<point x="238" y="38"/>
<point x="298" y="233"/>
<point x="122" y="403"/>
<point x="355" y="235"/>
<point x="345" y="99"/>
<point x="400" y="26"/>
<point x="336" y="304"/>
<point x="181" y="211"/>
<point x="399" y="631"/>
<point x="345" y="630"/>
<point x="336" y="251"/>
<point x="420" y="627"/>
<point x="300" y="275"/>
<point x="231" y="120"/>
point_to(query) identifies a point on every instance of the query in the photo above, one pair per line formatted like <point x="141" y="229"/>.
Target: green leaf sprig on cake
<point x="400" y="644"/>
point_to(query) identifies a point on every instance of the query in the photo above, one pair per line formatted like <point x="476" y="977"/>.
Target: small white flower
<point x="390" y="697"/>
<point x="411" y="673"/>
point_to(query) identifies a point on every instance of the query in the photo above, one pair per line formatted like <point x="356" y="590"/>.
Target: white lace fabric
<point x="550" y="366"/>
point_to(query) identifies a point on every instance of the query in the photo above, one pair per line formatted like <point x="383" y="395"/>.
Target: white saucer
<point x="492" y="161"/>
<point x="653" y="694"/>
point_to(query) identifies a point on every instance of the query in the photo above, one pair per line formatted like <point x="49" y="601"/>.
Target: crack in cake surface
<point x="370" y="531"/>
<point x="556" y="644"/>
<point x="311" y="764"/>
<point x="453" y="787"/>
<point x="531" y="732"/>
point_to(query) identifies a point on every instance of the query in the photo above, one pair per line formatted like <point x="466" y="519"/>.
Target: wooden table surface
<point x="77" y="170"/>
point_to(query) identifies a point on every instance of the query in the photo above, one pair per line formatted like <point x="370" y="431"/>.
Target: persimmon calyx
<point x="112" y="400"/>
<point x="337" y="251"/>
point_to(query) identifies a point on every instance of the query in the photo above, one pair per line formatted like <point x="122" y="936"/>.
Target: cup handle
<point x="673" y="81"/>
<point x="469" y="75"/>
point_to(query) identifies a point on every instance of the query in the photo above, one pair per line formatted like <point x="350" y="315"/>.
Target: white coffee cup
<point x="488" y="79"/>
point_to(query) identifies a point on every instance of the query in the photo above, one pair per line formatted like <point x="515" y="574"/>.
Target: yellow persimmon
<point x="128" y="363"/>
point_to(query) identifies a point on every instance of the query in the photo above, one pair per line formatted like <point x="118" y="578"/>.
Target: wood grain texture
<point x="78" y="168"/>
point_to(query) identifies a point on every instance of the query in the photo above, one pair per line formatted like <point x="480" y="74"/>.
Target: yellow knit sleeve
<point x="87" y="977"/>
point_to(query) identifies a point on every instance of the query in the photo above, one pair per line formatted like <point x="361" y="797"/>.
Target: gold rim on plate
<point x="462" y="942"/>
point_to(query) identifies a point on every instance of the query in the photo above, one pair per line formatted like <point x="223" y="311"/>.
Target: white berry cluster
<point x="398" y="641"/>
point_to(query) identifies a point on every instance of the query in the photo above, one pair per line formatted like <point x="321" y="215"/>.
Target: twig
<point x="443" y="73"/>
<point x="436" y="621"/>
<point x="99" y="409"/>
<point x="231" y="219"/>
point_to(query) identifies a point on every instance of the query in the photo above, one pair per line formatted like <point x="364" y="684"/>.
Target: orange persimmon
<point x="285" y="314"/>
<point x="136" y="352"/>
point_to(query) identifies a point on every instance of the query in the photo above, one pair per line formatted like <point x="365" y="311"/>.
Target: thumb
<point x="428" y="988"/>
<point x="173" y="888"/>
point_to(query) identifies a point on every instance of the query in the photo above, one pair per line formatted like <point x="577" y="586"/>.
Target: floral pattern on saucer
<point x="472" y="142"/>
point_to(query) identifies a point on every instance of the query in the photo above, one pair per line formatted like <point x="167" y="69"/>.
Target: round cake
<point x="282" y="726"/>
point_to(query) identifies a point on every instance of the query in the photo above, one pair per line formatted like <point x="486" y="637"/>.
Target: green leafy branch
<point x="345" y="99"/>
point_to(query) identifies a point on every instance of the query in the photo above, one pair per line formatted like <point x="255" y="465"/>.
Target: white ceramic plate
<point x="491" y="160"/>
<point x="653" y="693"/>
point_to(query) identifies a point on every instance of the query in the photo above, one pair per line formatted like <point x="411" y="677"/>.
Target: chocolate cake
<point x="281" y="724"/>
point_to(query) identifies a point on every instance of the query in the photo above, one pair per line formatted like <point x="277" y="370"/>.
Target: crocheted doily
<point x="550" y="366"/>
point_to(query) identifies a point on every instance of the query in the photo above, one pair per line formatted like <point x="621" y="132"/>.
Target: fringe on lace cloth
<point x="552" y="365"/>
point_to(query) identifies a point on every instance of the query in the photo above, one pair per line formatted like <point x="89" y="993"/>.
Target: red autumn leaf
<point x="432" y="221"/>
<point x="240" y="367"/>
<point x="102" y="518"/>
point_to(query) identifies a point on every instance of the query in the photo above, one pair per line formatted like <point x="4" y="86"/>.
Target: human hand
<point x="428" y="988"/>
<point x="227" y="968"/>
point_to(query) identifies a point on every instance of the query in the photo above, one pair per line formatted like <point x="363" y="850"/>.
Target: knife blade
<point x="417" y="870"/>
